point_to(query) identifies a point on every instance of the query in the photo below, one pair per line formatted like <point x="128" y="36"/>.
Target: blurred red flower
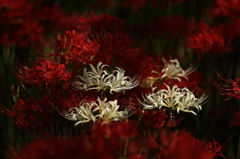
<point x="204" y="38"/>
<point x="229" y="8"/>
<point x="183" y="145"/>
<point x="227" y="88"/>
<point x="104" y="141"/>
<point x="34" y="116"/>
<point x="74" y="48"/>
<point x="43" y="74"/>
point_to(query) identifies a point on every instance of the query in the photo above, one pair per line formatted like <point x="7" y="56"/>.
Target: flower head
<point x="225" y="8"/>
<point x="43" y="73"/>
<point x="120" y="83"/>
<point x="31" y="116"/>
<point x="102" y="111"/>
<point x="175" y="98"/>
<point x="83" y="113"/>
<point x="184" y="145"/>
<point x="173" y="70"/>
<point x="74" y="48"/>
<point x="99" y="78"/>
<point x="230" y="90"/>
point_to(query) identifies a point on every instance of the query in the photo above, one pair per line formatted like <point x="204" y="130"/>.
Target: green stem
<point x="160" y="83"/>
<point x="103" y="95"/>
<point x="125" y="148"/>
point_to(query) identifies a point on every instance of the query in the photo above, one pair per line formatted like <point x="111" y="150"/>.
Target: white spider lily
<point x="94" y="79"/>
<point x="109" y="111"/>
<point x="147" y="82"/>
<point x="83" y="113"/>
<point x="120" y="83"/>
<point x="102" y="111"/>
<point x="173" y="70"/>
<point x="101" y="79"/>
<point x="175" y="99"/>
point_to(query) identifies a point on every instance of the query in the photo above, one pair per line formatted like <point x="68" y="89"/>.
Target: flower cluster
<point x="99" y="78"/>
<point x="207" y="39"/>
<point x="92" y="111"/>
<point x="173" y="98"/>
<point x="74" y="48"/>
<point x="119" y="140"/>
<point x="120" y="86"/>
<point x="173" y="70"/>
<point x="32" y="115"/>
<point x="43" y="74"/>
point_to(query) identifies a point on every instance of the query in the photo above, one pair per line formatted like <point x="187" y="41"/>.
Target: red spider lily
<point x="124" y="130"/>
<point x="230" y="90"/>
<point x="24" y="23"/>
<point x="229" y="8"/>
<point x="48" y="148"/>
<point x="22" y="28"/>
<point x="185" y="146"/>
<point x="115" y="45"/>
<point x="154" y="119"/>
<point x="236" y="120"/>
<point x="134" y="64"/>
<point x="63" y="101"/>
<point x="205" y="39"/>
<point x="74" y="48"/>
<point x="32" y="115"/>
<point x="146" y="68"/>
<point x="213" y="147"/>
<point x="112" y="138"/>
<point x="43" y="73"/>
<point x="104" y="141"/>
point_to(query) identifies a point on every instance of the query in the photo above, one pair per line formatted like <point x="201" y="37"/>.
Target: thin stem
<point x="160" y="83"/>
<point x="103" y="95"/>
<point x="238" y="154"/>
<point x="172" y="119"/>
<point x="139" y="119"/>
<point x="125" y="148"/>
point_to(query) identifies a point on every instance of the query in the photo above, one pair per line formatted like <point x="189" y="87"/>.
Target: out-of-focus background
<point x="176" y="28"/>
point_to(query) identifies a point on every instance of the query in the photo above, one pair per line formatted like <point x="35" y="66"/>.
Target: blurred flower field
<point x="120" y="79"/>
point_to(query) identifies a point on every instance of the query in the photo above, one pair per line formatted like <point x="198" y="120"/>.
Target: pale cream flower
<point x="173" y="70"/>
<point x="120" y="82"/>
<point x="101" y="79"/>
<point x="175" y="98"/>
<point x="94" y="79"/>
<point x="109" y="111"/>
<point x="83" y="113"/>
<point x="101" y="111"/>
<point x="147" y="82"/>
